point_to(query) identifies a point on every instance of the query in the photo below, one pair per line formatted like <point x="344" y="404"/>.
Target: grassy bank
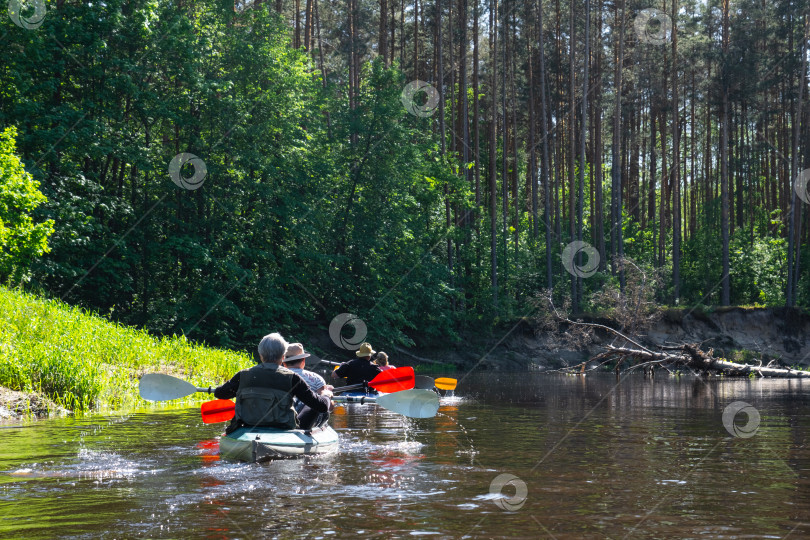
<point x="82" y="361"/>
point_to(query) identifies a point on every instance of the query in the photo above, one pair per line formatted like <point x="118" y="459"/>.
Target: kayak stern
<point x="262" y="444"/>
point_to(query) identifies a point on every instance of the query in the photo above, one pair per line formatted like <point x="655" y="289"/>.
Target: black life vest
<point x="264" y="397"/>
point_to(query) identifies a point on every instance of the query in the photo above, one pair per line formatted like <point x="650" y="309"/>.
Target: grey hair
<point x="272" y="348"/>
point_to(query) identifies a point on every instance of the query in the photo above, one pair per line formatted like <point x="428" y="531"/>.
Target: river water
<point x="515" y="456"/>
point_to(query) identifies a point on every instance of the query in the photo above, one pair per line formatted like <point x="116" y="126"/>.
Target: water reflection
<point x="599" y="456"/>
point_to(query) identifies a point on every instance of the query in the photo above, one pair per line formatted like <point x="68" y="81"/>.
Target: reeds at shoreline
<point x="82" y="361"/>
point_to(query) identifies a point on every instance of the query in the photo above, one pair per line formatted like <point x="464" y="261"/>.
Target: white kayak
<point x="265" y="443"/>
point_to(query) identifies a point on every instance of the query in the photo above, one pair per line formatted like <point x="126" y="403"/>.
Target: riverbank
<point x="80" y="361"/>
<point x="56" y="357"/>
<point x="16" y="406"/>
<point x="747" y="335"/>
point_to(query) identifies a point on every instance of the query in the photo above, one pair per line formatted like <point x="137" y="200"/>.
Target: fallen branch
<point x="690" y="356"/>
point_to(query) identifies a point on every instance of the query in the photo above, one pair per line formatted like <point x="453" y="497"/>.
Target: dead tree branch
<point x="690" y="356"/>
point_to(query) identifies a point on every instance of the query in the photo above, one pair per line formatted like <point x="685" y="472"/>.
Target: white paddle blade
<point x="411" y="403"/>
<point x="162" y="387"/>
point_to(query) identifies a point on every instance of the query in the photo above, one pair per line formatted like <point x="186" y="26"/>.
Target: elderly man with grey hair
<point x="264" y="393"/>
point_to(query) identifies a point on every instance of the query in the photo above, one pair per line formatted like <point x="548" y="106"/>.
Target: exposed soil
<point x="742" y="334"/>
<point x="745" y="335"/>
<point x="16" y="406"/>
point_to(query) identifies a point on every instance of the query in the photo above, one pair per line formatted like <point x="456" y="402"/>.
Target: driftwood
<point x="686" y="356"/>
<point x="690" y="356"/>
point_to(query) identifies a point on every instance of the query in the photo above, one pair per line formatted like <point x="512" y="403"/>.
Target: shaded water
<point x="586" y="456"/>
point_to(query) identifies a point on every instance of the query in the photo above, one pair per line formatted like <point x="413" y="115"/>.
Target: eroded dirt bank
<point x="15" y="406"/>
<point x="742" y="334"/>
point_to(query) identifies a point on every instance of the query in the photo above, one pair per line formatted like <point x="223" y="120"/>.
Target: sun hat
<point x="295" y="351"/>
<point x="364" y="350"/>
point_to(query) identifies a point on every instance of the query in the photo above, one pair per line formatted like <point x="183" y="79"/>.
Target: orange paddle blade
<point x="446" y="383"/>
<point x="394" y="380"/>
<point x="218" y="410"/>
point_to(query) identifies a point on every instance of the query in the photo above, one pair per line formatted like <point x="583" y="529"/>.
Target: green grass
<point x="83" y="362"/>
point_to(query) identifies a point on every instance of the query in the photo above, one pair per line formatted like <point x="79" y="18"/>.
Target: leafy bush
<point x="21" y="238"/>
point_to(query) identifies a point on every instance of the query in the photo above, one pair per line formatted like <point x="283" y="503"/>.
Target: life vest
<point x="264" y="397"/>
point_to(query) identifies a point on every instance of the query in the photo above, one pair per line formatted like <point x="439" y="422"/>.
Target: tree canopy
<point x="218" y="170"/>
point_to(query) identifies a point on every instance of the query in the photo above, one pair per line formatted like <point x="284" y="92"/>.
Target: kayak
<point x="265" y="443"/>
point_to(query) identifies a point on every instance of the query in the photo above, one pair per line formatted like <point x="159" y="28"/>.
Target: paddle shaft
<point x="322" y="361"/>
<point x="355" y="399"/>
<point x="350" y="387"/>
<point x="392" y="380"/>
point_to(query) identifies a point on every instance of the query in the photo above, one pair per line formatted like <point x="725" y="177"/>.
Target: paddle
<point x="162" y="387"/>
<point x="322" y="361"/>
<point x="218" y="410"/>
<point x="445" y="383"/>
<point x="423" y="382"/>
<point x="410" y="403"/>
<point x="392" y="380"/>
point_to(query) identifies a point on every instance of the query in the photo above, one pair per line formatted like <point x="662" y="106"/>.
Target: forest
<point x="216" y="170"/>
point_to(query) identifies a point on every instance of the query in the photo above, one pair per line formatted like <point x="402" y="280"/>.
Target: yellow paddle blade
<point x="445" y="383"/>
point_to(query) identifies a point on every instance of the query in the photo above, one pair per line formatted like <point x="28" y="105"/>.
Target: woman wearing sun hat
<point x="360" y="369"/>
<point x="381" y="359"/>
<point x="295" y="360"/>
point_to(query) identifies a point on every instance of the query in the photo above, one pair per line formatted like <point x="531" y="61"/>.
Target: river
<point x="520" y="455"/>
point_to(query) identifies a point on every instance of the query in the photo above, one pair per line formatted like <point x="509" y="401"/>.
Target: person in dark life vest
<point x="360" y="369"/>
<point x="264" y="393"/>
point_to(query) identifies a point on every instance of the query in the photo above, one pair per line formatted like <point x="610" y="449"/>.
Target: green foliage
<point x="316" y="202"/>
<point x="21" y="237"/>
<point x="82" y="361"/>
<point x="302" y="215"/>
<point x="758" y="270"/>
<point x="757" y="262"/>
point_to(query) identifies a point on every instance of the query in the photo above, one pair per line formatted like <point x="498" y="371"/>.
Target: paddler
<point x="381" y="359"/>
<point x="264" y="393"/>
<point x="360" y="370"/>
<point x="295" y="360"/>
